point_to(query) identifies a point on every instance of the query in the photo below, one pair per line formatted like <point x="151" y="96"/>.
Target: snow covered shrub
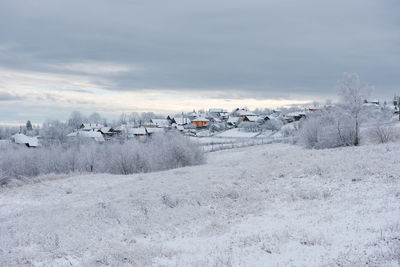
<point x="272" y="124"/>
<point x="248" y="126"/>
<point x="218" y="127"/>
<point x="326" y="129"/>
<point x="160" y="152"/>
<point x="382" y="134"/>
<point x="290" y="129"/>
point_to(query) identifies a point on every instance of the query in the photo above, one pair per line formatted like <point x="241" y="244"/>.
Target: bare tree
<point x="75" y="120"/>
<point x="352" y="94"/>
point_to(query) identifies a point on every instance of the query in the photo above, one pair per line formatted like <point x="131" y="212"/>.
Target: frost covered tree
<point x="76" y="119"/>
<point x="29" y="126"/>
<point x="54" y="132"/>
<point x="95" y="118"/>
<point x="352" y="95"/>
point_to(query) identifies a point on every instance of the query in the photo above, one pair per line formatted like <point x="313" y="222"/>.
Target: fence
<point x="238" y="143"/>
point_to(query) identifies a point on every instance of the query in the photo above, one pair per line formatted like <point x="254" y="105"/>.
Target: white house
<point x="160" y="123"/>
<point x="22" y="139"/>
<point x="94" y="135"/>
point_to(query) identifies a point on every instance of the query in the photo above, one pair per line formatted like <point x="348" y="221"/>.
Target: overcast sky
<point x="176" y="55"/>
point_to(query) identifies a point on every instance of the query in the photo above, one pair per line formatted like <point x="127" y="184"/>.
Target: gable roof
<point x="90" y="126"/>
<point x="252" y="118"/>
<point x="160" y="122"/>
<point x="97" y="136"/>
<point x="216" y="110"/>
<point x="233" y="119"/>
<point x="243" y="112"/>
<point x="155" y="130"/>
<point x="180" y="120"/>
<point x="137" y="131"/>
<point x="201" y="119"/>
<point x="20" y="138"/>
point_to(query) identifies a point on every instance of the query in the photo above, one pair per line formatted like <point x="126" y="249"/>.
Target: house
<point x="267" y="117"/>
<point x="160" y="123"/>
<point x="192" y="115"/>
<point x="232" y="121"/>
<point x="91" y="135"/>
<point x="153" y="130"/>
<point x="108" y="132"/>
<point x="180" y="121"/>
<point x="252" y="118"/>
<point x="200" y="122"/>
<point x="22" y="139"/>
<point x="90" y="126"/>
<point x="136" y="132"/>
<point x="218" y="113"/>
<point x="314" y="109"/>
<point x="242" y="113"/>
<point x="216" y="120"/>
<point x="294" y="116"/>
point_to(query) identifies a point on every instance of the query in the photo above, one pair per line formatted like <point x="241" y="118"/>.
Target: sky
<point x="118" y="56"/>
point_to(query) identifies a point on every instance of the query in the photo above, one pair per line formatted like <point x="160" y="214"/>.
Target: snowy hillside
<point x="269" y="205"/>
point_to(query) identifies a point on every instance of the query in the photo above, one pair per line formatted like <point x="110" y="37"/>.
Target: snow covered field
<point x="268" y="205"/>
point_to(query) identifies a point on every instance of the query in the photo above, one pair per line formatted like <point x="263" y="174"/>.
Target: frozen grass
<point x="271" y="205"/>
<point x="160" y="152"/>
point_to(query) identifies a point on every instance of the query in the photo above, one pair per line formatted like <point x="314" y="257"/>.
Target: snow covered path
<point x="270" y="205"/>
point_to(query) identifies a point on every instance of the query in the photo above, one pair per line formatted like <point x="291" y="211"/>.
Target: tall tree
<point x="75" y="120"/>
<point x="29" y="126"/>
<point x="352" y="95"/>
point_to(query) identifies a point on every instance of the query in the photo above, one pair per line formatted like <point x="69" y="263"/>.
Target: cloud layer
<point x="217" y="51"/>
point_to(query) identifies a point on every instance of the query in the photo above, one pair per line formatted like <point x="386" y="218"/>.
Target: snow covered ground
<point x="237" y="133"/>
<point x="268" y="205"/>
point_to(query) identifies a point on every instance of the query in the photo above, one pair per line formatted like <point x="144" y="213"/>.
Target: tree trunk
<point x="356" y="139"/>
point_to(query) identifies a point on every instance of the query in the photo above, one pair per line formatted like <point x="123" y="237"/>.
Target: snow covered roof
<point x="137" y="131"/>
<point x="105" y="130"/>
<point x="192" y="114"/>
<point x="216" y="110"/>
<point x="120" y="128"/>
<point x="155" y="130"/>
<point x="233" y="119"/>
<point x="295" y="114"/>
<point x="201" y="119"/>
<point x="243" y="112"/>
<point x="160" y="122"/>
<point x="20" y="138"/>
<point x="91" y="126"/>
<point x="97" y="136"/>
<point x="253" y="118"/>
<point x="181" y="120"/>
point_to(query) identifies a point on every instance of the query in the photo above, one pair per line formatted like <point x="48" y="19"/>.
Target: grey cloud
<point x="262" y="48"/>
<point x="5" y="96"/>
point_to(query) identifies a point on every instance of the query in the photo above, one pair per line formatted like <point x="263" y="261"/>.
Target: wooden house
<point x="200" y="122"/>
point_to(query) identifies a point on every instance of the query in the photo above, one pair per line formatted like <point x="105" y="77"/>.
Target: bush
<point x="383" y="134"/>
<point x="326" y="130"/>
<point x="160" y="152"/>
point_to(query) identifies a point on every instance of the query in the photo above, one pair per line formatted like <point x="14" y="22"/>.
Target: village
<point x="216" y="122"/>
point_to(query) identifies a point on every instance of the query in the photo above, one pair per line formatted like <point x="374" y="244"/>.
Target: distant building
<point x="90" y="135"/>
<point x="232" y="121"/>
<point x="200" y="122"/>
<point x="90" y="126"/>
<point x="22" y="139"/>
<point x="180" y="121"/>
<point x="252" y="118"/>
<point x="242" y="113"/>
<point x="160" y="123"/>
